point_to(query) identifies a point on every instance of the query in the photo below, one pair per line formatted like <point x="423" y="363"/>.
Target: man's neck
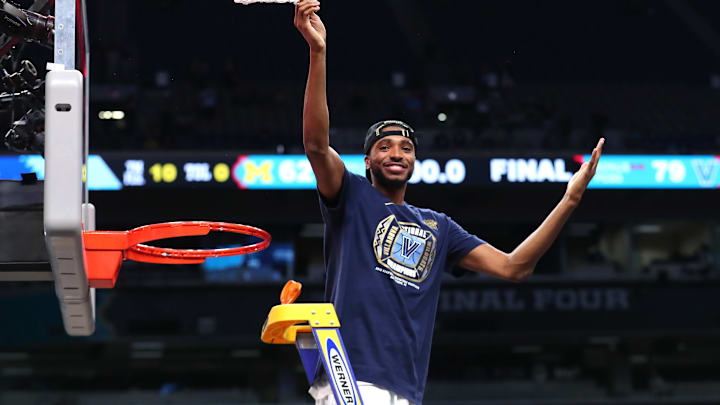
<point x="395" y="195"/>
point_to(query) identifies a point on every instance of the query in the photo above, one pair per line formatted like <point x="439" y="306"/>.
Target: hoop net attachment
<point x="106" y="250"/>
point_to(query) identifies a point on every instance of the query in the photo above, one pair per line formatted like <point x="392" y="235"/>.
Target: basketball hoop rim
<point x="180" y="228"/>
<point x="134" y="242"/>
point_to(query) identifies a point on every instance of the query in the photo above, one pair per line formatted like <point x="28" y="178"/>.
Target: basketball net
<point x="246" y="2"/>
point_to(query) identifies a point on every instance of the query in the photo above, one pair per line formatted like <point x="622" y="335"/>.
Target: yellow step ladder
<point x="315" y="331"/>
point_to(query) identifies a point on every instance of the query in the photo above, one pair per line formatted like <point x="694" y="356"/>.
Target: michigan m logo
<point x="252" y="172"/>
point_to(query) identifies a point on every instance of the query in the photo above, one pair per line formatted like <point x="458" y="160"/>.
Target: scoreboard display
<point x="279" y="172"/>
<point x="656" y="172"/>
<point x="125" y="170"/>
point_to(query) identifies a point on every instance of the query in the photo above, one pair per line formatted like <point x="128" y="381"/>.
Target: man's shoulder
<point x="428" y="213"/>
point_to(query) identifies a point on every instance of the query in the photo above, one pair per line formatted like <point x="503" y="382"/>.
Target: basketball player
<point x="383" y="256"/>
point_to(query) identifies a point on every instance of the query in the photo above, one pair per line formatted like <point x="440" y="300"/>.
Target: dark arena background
<point x="196" y="113"/>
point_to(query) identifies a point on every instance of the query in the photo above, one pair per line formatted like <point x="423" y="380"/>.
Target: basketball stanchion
<point x="106" y="250"/>
<point x="315" y="331"/>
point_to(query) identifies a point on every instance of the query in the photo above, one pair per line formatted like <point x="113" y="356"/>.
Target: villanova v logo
<point x="706" y="170"/>
<point x="409" y="246"/>
<point x="404" y="248"/>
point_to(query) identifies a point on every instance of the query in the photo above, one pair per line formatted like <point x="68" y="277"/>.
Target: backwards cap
<point x="379" y="130"/>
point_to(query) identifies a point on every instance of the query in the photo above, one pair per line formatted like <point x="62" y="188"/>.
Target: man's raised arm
<point x="326" y="163"/>
<point x="520" y="263"/>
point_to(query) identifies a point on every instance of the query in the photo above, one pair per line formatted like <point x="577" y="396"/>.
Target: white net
<point x="246" y="2"/>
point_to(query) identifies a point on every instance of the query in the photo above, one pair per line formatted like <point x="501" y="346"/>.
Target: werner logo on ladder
<point x="315" y="331"/>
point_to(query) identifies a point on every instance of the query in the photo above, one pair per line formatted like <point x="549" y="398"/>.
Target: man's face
<point x="391" y="160"/>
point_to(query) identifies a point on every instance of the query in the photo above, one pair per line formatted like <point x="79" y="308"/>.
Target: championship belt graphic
<point x="404" y="248"/>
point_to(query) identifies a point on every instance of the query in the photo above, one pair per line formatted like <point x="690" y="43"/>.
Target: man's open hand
<point x="310" y="25"/>
<point x="579" y="182"/>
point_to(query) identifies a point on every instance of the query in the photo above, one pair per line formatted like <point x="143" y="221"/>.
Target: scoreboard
<point x="127" y="170"/>
<point x="656" y="171"/>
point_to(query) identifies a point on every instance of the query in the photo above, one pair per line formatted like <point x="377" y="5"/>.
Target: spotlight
<point x="111" y="115"/>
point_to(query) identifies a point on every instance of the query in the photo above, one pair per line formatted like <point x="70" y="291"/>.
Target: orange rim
<point x="105" y="250"/>
<point x="193" y="228"/>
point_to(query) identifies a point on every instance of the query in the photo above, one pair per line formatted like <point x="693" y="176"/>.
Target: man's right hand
<point x="310" y="25"/>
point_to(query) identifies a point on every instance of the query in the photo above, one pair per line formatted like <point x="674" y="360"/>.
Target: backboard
<point x="57" y="204"/>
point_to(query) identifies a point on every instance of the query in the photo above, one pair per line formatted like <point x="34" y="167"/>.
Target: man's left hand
<point x="579" y="182"/>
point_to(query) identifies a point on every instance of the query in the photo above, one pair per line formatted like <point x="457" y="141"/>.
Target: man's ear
<point x="367" y="162"/>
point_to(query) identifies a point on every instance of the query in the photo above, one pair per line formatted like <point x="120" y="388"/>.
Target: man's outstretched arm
<point x="520" y="263"/>
<point x="326" y="163"/>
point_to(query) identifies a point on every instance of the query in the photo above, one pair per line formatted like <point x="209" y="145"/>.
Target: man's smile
<point x="395" y="167"/>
